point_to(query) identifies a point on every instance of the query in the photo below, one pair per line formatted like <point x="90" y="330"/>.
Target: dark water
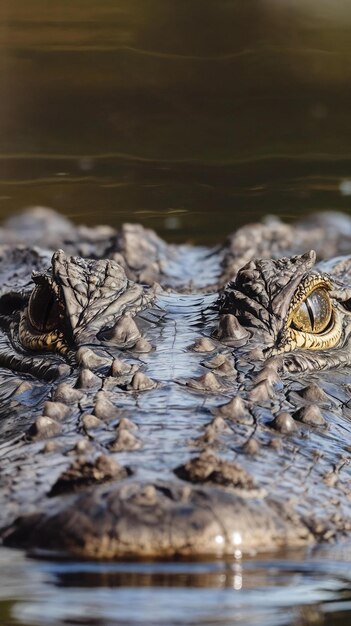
<point x="190" y="116"/>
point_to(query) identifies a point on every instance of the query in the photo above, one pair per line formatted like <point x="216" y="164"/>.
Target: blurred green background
<point x="190" y="116"/>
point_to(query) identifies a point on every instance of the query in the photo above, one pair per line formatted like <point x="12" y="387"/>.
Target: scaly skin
<point x="189" y="418"/>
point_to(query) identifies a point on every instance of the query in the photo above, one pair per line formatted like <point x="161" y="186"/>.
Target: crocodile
<point x="163" y="400"/>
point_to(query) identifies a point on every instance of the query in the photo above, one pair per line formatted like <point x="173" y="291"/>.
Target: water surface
<point x="170" y="112"/>
<point x="297" y="589"/>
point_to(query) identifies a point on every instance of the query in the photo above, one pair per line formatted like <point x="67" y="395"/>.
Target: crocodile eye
<point x="43" y="311"/>
<point x="314" y="314"/>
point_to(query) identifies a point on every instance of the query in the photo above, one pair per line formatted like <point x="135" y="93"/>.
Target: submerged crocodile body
<point x="163" y="400"/>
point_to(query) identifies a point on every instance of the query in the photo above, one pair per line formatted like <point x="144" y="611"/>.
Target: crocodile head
<point x="243" y="448"/>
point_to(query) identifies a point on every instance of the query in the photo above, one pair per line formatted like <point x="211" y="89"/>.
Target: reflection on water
<point x="165" y="111"/>
<point x="281" y="590"/>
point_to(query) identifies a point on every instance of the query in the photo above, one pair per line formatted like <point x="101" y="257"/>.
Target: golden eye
<point x="43" y="309"/>
<point x="314" y="314"/>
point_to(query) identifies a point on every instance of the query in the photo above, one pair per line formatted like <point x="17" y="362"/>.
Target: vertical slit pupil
<point x="311" y="314"/>
<point x="43" y="308"/>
